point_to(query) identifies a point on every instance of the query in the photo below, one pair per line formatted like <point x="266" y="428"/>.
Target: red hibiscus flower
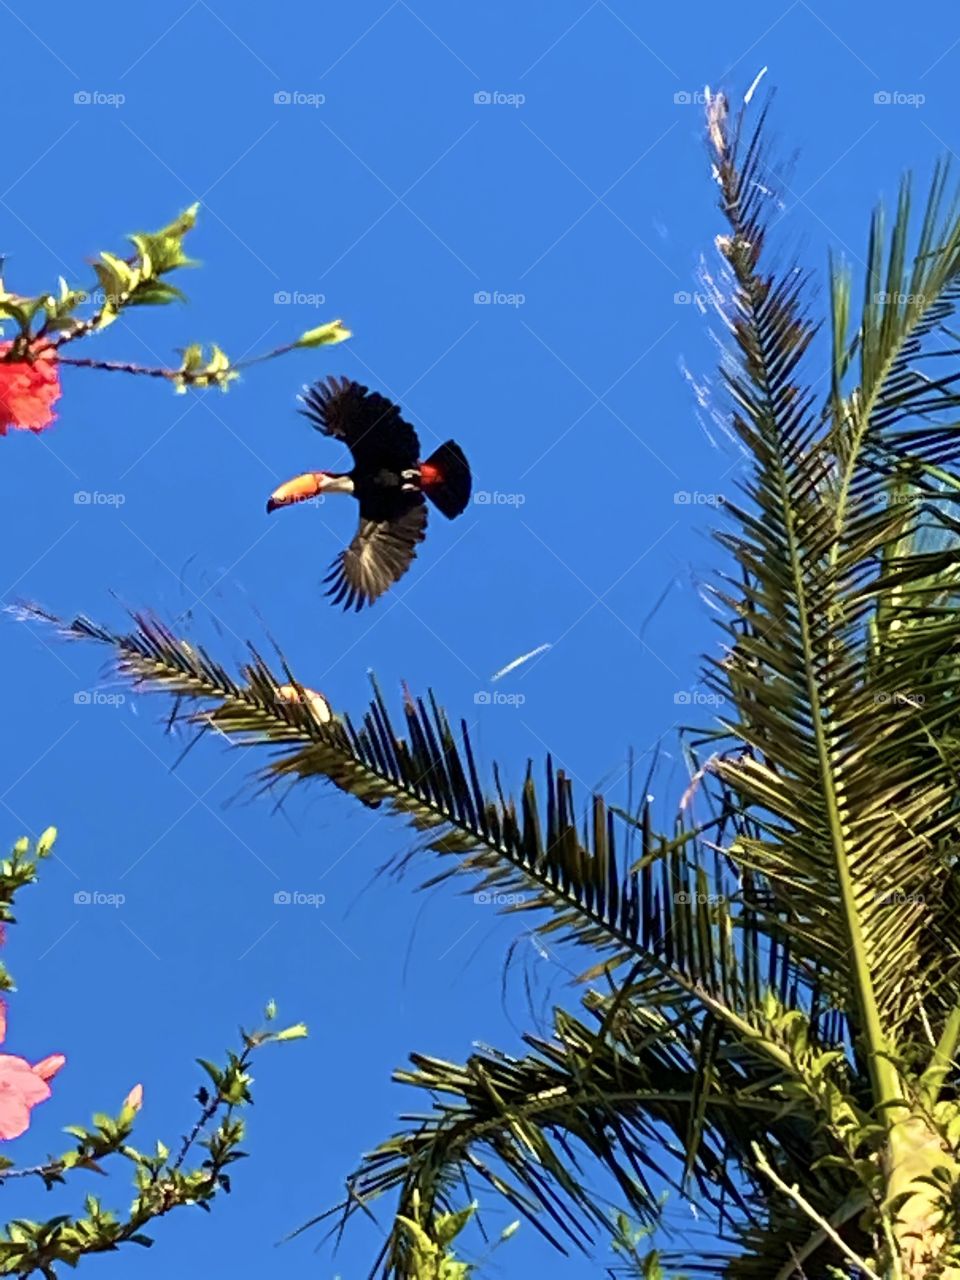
<point x="28" y="391"/>
<point x="22" y="1086"/>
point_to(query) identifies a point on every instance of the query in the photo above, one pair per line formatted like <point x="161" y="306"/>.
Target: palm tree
<point x="770" y="1017"/>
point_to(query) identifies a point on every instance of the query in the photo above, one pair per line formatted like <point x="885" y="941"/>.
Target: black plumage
<point x="389" y="482"/>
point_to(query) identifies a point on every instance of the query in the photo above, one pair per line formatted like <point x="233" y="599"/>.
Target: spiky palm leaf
<point x="660" y="912"/>
<point x="840" y="669"/>
<point x="629" y="1089"/>
<point x="840" y="666"/>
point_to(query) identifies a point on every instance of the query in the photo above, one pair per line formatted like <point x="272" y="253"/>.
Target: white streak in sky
<point x="753" y="88"/>
<point x="517" y="662"/>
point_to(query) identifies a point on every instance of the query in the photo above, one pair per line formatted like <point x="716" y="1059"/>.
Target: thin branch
<point x="793" y="1193"/>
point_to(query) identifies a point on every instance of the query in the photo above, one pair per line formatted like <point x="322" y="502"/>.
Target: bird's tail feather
<point x="445" y="479"/>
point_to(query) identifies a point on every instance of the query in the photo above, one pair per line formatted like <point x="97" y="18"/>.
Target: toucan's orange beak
<point x="299" y="489"/>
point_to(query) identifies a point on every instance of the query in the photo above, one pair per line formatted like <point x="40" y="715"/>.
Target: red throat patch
<point x="429" y="475"/>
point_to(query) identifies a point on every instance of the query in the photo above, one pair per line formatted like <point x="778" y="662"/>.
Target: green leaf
<point x="46" y="842"/>
<point x="163" y="249"/>
<point x="156" y="293"/>
<point x="196" y="372"/>
<point x="417" y="1235"/>
<point x="117" y="277"/>
<point x="325" y="335"/>
<point x="292" y="1033"/>
<point x="16" y="311"/>
<point x="58" y="308"/>
<point x="447" y="1226"/>
<point x="213" y="1071"/>
<point x="192" y="357"/>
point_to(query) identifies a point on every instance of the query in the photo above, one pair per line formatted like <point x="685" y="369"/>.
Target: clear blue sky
<point x="398" y="199"/>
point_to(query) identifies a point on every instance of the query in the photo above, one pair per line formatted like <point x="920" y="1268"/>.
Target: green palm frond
<point x="627" y="1094"/>
<point x="665" y="912"/>
<point x="831" y="575"/>
<point x="903" y="349"/>
<point x="428" y="775"/>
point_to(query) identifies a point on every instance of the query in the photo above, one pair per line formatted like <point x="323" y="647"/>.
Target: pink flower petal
<point x="19" y="1078"/>
<point x="22" y="1086"/>
<point x="134" y="1098"/>
<point x="14" y="1117"/>
<point x="48" y="1067"/>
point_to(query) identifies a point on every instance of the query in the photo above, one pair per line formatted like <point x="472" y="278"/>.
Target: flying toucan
<point x="388" y="480"/>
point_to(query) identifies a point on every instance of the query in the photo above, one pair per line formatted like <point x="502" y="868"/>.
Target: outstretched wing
<point x="368" y="423"/>
<point x="380" y="554"/>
